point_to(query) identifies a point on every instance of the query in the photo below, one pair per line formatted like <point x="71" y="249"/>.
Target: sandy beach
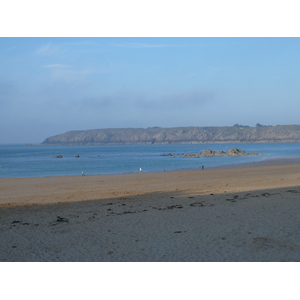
<point x="246" y="213"/>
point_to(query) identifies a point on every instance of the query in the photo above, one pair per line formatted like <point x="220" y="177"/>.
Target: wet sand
<point x="239" y="214"/>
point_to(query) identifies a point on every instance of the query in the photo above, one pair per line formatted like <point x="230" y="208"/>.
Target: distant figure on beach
<point x="140" y="169"/>
<point x="82" y="173"/>
<point x="202" y="167"/>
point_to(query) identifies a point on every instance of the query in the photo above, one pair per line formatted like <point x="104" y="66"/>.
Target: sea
<point x="18" y="160"/>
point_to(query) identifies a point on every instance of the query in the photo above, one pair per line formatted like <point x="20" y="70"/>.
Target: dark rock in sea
<point x="231" y="152"/>
<point x="191" y="155"/>
<point x="169" y="154"/>
<point x="77" y="155"/>
<point x="236" y="152"/>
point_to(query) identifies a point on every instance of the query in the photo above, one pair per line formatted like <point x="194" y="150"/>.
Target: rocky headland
<point x="179" y="135"/>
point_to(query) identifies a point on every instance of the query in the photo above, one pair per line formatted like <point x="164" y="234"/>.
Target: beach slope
<point x="246" y="214"/>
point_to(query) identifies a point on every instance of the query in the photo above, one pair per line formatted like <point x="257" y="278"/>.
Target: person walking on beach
<point x="82" y="173"/>
<point x="202" y="167"/>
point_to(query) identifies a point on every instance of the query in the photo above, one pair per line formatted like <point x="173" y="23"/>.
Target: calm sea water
<point x="38" y="161"/>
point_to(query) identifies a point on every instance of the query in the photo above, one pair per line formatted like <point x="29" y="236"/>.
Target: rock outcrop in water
<point x="231" y="152"/>
<point x="179" y="135"/>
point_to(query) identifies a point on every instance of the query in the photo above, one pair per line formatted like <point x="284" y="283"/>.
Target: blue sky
<point x="51" y="85"/>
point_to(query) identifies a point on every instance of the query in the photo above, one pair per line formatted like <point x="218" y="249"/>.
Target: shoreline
<point x="263" y="163"/>
<point x="273" y="162"/>
<point x="54" y="189"/>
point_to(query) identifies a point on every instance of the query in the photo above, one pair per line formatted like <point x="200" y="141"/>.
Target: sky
<point x="52" y="85"/>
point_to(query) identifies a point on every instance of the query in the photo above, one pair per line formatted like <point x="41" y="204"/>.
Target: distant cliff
<point x="179" y="135"/>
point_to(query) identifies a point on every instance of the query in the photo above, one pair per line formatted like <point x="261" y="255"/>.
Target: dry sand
<point x="238" y="214"/>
